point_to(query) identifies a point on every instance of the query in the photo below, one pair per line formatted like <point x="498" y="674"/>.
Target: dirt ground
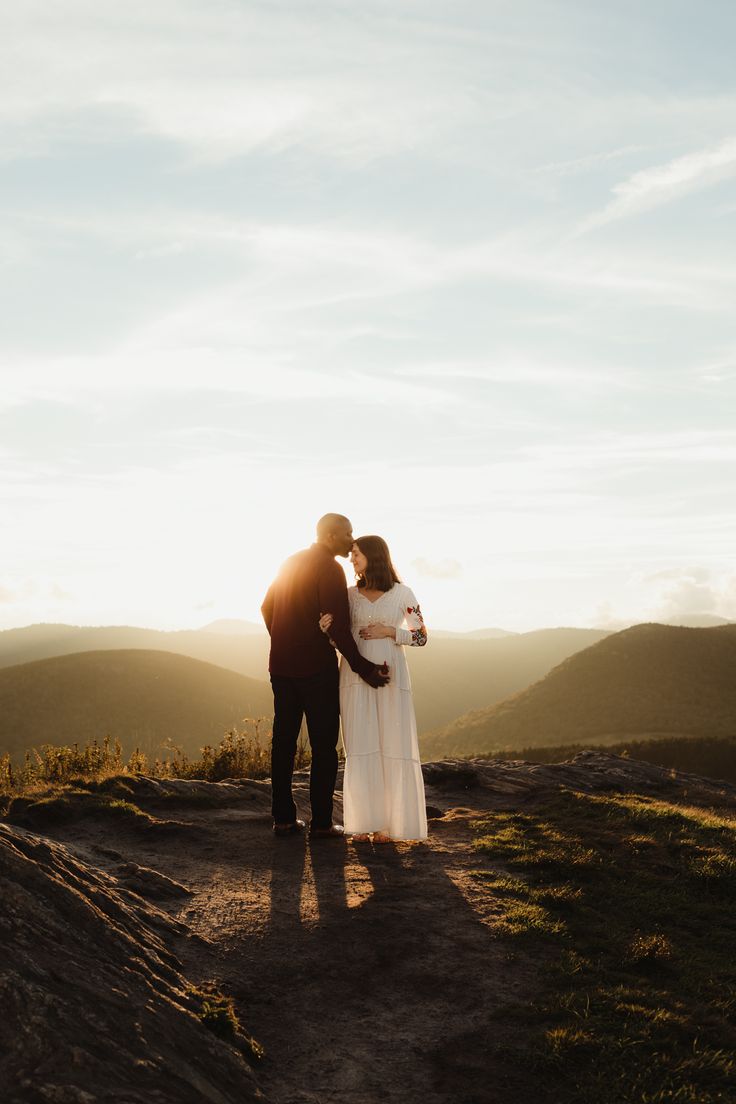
<point x="368" y="973"/>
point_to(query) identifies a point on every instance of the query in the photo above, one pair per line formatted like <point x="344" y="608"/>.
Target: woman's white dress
<point x="383" y="790"/>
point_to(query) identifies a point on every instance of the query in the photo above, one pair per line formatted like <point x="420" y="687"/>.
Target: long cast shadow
<point x="287" y="875"/>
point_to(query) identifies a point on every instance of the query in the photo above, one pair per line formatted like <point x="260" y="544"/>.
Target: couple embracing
<point x="311" y="615"/>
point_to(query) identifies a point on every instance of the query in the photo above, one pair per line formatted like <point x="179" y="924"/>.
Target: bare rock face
<point x="149" y="883"/>
<point x="94" y="1006"/>
<point x="594" y="771"/>
<point x="190" y="791"/>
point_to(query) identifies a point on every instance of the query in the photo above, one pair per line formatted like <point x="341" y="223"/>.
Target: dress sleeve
<point x="415" y="633"/>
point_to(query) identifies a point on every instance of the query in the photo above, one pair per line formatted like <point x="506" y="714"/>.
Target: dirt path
<point x="368" y="973"/>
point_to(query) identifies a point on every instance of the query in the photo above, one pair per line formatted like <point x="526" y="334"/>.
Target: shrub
<point x="242" y="753"/>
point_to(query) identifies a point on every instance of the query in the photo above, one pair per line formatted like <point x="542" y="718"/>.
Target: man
<point x="304" y="672"/>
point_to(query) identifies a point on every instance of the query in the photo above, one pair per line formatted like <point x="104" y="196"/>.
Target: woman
<point x="383" y="790"/>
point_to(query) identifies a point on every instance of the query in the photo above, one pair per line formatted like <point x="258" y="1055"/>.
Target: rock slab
<point x="94" y="1005"/>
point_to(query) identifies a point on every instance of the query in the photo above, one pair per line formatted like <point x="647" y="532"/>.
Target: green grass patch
<point x="631" y="900"/>
<point x="67" y="805"/>
<point x="217" y="1012"/>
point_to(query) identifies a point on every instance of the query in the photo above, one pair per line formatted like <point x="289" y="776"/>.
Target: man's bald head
<point x="335" y="532"/>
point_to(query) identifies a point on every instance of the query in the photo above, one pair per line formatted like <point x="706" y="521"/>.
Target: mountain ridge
<point x="143" y="698"/>
<point x="449" y="676"/>
<point x="647" y="680"/>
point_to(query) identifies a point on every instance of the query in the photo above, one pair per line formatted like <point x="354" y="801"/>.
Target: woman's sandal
<point x="381" y="837"/>
<point x="360" y="837"/>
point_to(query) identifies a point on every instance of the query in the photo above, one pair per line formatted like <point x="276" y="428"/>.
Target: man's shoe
<point x="292" y="829"/>
<point x="335" y="831"/>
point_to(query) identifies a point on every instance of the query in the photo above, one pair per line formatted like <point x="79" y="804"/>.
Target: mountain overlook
<point x="647" y="680"/>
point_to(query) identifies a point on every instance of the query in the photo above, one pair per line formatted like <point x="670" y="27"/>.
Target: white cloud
<point x="606" y="618"/>
<point x="440" y="569"/>
<point x="514" y="366"/>
<point x="717" y="447"/>
<point x="59" y="594"/>
<point x="661" y="184"/>
<point x="719" y="369"/>
<point x="698" y="575"/>
<point x="584" y="164"/>
<point x="163" y="362"/>
<point x="224" y="79"/>
<point x="688" y="597"/>
<point x="310" y="268"/>
<point x="690" y="590"/>
<point x="246" y="210"/>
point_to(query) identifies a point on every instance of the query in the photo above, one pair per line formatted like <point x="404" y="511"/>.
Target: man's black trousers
<point x="316" y="697"/>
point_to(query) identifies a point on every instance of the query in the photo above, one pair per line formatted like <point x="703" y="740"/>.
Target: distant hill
<point x="450" y="675"/>
<point x="474" y="634"/>
<point x="698" y="620"/>
<point x="141" y="697"/>
<point x="246" y="652"/>
<point x="649" y="680"/>
<point x="232" y="627"/>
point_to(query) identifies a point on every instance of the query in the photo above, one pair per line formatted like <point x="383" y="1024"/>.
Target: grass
<point x="60" y="785"/>
<point x="630" y="903"/>
<point x="241" y="753"/>
<point x="68" y="804"/>
<point x="217" y="1012"/>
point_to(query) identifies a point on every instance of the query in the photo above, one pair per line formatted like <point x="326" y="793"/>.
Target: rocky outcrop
<point x="189" y="791"/>
<point x="588" y="772"/>
<point x="149" y="883"/>
<point x="94" y="1004"/>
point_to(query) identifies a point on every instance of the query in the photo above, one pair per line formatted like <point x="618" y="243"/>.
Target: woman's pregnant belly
<point x="378" y="651"/>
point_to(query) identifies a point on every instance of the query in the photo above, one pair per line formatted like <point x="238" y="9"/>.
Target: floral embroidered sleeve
<point x="415" y="633"/>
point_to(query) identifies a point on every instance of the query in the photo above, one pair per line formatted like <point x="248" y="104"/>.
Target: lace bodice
<point x="397" y="607"/>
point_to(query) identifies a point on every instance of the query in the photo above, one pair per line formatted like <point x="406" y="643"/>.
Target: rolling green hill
<point x="141" y="697"/>
<point x="450" y="676"/>
<point x="649" y="680"/>
<point x="245" y="653"/>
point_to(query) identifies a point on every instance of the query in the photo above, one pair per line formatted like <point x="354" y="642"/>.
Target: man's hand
<point x="325" y="621"/>
<point x="378" y="677"/>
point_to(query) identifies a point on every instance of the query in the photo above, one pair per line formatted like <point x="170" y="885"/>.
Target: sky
<point x="463" y="270"/>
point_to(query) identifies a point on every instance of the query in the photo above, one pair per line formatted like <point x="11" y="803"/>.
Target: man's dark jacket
<point x="309" y="584"/>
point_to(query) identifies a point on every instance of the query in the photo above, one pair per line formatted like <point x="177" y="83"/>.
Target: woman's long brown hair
<point x="380" y="573"/>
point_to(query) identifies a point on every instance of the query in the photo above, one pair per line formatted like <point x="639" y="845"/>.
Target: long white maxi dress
<point x="383" y="789"/>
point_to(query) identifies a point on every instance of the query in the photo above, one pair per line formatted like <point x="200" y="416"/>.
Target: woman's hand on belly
<point x="378" y="631"/>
